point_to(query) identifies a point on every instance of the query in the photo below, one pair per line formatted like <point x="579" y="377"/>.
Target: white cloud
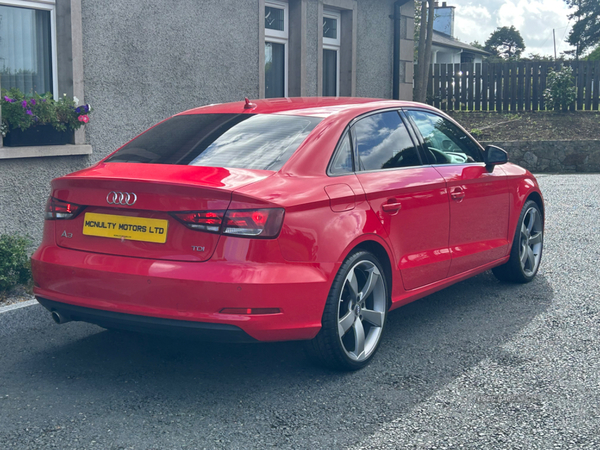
<point x="535" y="20"/>
<point x="470" y="20"/>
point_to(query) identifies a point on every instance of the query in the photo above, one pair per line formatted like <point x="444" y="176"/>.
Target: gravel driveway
<point x="480" y="365"/>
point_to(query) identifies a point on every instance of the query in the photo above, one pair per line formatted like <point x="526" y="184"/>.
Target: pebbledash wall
<point x="138" y="62"/>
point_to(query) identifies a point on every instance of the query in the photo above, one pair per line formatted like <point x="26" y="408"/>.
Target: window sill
<point x="43" y="151"/>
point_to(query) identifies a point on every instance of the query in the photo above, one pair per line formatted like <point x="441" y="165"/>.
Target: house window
<point x="276" y="49"/>
<point x="27" y="46"/>
<point x="331" y="53"/>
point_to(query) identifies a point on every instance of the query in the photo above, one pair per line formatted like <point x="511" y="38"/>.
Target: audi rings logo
<point x="121" y="198"/>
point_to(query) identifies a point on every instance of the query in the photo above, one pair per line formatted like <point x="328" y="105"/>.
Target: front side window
<point x="383" y="142"/>
<point x="243" y="141"/>
<point x="445" y="143"/>
<point x="331" y="53"/>
<point x="26" y="47"/>
<point x="276" y="49"/>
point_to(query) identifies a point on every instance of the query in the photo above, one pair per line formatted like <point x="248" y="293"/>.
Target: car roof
<point x="302" y="106"/>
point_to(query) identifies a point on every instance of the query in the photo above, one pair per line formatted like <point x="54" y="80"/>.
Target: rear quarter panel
<point x="317" y="228"/>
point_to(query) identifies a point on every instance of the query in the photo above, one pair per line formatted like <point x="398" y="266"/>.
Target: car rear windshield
<point x="240" y="141"/>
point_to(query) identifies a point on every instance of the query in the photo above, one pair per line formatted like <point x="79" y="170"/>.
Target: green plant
<point x="510" y="116"/>
<point x="476" y="132"/>
<point x="561" y="91"/>
<point x="22" y="111"/>
<point x="15" y="267"/>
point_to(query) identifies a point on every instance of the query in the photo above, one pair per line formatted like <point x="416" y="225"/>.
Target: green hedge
<point x="15" y="267"/>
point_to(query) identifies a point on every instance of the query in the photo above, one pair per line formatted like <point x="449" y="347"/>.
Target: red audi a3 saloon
<point x="285" y="219"/>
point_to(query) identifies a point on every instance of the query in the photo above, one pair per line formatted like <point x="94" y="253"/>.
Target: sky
<point x="475" y="20"/>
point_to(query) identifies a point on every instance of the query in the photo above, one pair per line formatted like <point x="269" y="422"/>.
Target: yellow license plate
<point x="124" y="227"/>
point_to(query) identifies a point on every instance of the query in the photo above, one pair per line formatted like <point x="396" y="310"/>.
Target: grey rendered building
<point x="140" y="61"/>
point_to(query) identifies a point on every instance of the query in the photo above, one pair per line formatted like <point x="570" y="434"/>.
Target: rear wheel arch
<point x="382" y="255"/>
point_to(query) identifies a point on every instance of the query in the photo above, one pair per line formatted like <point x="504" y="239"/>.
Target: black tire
<point x="527" y="247"/>
<point x="352" y="307"/>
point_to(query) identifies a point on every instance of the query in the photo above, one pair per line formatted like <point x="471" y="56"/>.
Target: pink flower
<point x="29" y="112"/>
<point x="84" y="118"/>
<point x="24" y="103"/>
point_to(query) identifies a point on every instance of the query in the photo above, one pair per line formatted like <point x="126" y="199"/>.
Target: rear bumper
<point x="183" y="295"/>
<point x="179" y="328"/>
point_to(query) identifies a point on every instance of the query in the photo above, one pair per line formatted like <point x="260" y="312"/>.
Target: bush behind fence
<point x="508" y="87"/>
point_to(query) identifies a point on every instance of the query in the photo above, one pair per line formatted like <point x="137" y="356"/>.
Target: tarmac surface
<point x="479" y="365"/>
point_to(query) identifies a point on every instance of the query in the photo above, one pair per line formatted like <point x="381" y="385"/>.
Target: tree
<point x="595" y="55"/>
<point x="540" y="57"/>
<point x="585" y="33"/>
<point x="506" y="43"/>
<point x="424" y="51"/>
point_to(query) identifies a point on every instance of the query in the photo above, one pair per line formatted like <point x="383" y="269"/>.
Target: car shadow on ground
<point x="426" y="345"/>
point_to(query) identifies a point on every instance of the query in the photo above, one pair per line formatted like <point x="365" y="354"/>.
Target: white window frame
<point x="45" y="5"/>
<point x="334" y="44"/>
<point x="280" y="37"/>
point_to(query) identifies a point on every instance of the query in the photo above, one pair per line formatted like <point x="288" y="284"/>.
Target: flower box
<point x="34" y="120"/>
<point x="38" y="135"/>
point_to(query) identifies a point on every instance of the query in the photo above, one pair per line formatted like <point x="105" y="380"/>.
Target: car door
<point x="479" y="198"/>
<point x="409" y="198"/>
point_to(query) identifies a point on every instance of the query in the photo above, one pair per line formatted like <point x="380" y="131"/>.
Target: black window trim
<point x="422" y="141"/>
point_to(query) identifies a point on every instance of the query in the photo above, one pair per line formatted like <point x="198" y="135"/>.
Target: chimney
<point x="444" y="19"/>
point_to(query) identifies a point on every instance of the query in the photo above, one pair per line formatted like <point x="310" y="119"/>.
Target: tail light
<point x="257" y="223"/>
<point x="265" y="223"/>
<point x="57" y="209"/>
<point x="202" y="220"/>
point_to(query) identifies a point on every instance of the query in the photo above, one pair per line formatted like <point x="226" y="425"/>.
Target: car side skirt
<point x="415" y="294"/>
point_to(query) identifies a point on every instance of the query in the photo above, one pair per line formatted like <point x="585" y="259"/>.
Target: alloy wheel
<point x="530" y="249"/>
<point x="361" y="310"/>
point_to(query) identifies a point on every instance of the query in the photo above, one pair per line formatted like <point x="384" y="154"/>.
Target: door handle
<point x="391" y="207"/>
<point x="457" y="194"/>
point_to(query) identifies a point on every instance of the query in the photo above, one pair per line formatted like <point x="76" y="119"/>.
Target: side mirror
<point x="493" y="156"/>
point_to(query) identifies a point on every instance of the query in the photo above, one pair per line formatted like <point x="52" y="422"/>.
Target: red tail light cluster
<point x="201" y="220"/>
<point x="259" y="223"/>
<point x="57" y="209"/>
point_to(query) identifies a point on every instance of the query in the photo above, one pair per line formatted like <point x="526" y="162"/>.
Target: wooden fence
<point x="507" y="87"/>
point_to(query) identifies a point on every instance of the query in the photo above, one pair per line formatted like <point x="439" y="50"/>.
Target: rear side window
<point x="342" y="161"/>
<point x="241" y="141"/>
<point x="384" y="143"/>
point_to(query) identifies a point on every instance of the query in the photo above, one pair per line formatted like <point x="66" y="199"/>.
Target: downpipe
<point x="396" y="51"/>
<point x="59" y="318"/>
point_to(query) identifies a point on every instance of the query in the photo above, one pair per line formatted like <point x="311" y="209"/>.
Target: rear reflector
<point x="57" y="209"/>
<point x="250" y="311"/>
<point x="257" y="223"/>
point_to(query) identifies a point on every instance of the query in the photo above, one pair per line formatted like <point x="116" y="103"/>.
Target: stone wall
<point x="553" y="156"/>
